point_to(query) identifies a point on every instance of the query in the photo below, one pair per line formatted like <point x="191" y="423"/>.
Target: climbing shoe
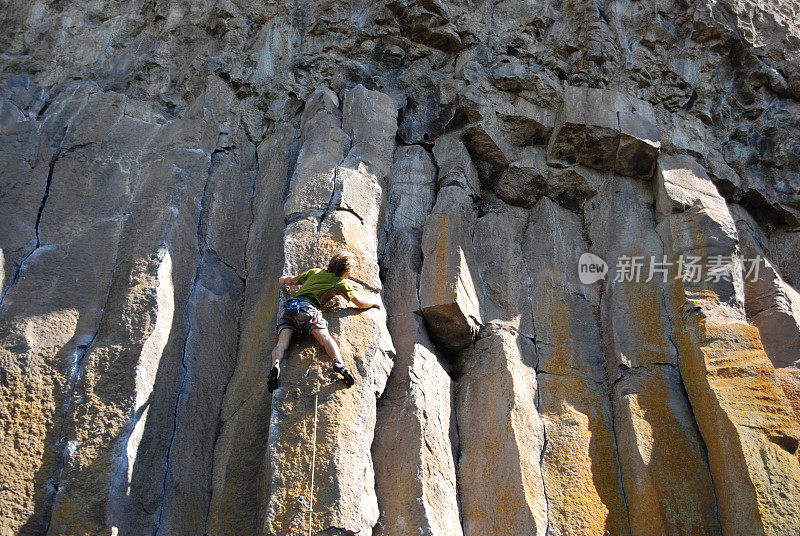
<point x="341" y="369"/>
<point x="272" y="383"/>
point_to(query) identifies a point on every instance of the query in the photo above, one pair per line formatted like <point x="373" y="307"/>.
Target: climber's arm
<point x="292" y="280"/>
<point x="366" y="303"/>
<point x="286" y="280"/>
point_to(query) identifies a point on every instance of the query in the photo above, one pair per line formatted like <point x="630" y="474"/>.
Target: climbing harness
<point x="313" y="463"/>
<point x="292" y="307"/>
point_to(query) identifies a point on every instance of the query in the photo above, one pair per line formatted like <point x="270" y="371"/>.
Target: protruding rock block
<point x="527" y="124"/>
<point x="501" y="438"/>
<point x="587" y="128"/>
<point x="605" y="129"/>
<point x="524" y="181"/>
<point x="694" y="221"/>
<point x="487" y="140"/>
<point x="639" y="140"/>
<point x="449" y="283"/>
<point x="528" y="179"/>
<point x="571" y="187"/>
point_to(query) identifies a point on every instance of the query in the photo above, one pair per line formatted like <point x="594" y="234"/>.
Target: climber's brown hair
<point x="341" y="263"/>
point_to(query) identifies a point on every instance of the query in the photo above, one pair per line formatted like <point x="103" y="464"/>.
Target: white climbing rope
<point x="313" y="463"/>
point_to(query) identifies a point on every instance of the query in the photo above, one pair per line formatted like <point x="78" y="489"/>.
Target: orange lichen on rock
<point x="664" y="467"/>
<point x="579" y="463"/>
<point x="747" y="424"/>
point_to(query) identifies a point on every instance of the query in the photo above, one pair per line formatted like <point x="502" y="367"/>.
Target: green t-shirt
<point x="317" y="282"/>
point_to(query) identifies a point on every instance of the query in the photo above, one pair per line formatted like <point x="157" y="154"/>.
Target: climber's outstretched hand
<point x="366" y="304"/>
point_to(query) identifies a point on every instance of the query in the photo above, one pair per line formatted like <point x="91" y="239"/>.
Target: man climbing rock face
<point x="302" y="313"/>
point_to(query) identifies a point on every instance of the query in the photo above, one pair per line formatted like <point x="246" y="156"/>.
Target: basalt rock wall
<point x="581" y="220"/>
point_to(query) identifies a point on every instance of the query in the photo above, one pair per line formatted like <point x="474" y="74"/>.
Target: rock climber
<point x="302" y="313"/>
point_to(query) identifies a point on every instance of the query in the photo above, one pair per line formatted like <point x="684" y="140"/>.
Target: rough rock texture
<point x="317" y="426"/>
<point x="496" y="404"/>
<point x="579" y="463"/>
<point x="666" y="477"/>
<point x="605" y="129"/>
<point x="772" y="305"/>
<point x="162" y="164"/>
<point x="743" y="415"/>
<point x="415" y="436"/>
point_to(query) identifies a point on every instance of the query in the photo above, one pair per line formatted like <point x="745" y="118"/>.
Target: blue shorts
<point x="302" y="315"/>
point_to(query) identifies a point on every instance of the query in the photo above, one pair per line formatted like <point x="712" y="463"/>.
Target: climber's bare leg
<point x="323" y="336"/>
<point x="284" y="338"/>
<point x="332" y="349"/>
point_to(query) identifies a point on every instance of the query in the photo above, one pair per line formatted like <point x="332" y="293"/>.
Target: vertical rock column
<point x="741" y="411"/>
<point x="450" y="301"/>
<point x="772" y="305"/>
<point x="25" y="161"/>
<point x="501" y="433"/>
<point x="147" y="398"/>
<point x="52" y="304"/>
<point x="501" y="438"/>
<point x="662" y="457"/>
<point x="335" y="199"/>
<point x="240" y="450"/>
<point x="413" y="450"/>
<point x="579" y="462"/>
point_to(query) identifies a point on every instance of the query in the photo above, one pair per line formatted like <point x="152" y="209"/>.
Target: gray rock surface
<point x="605" y="129"/>
<point x="415" y="435"/>
<point x="162" y="164"/>
<point x="333" y="426"/>
<point x="665" y="493"/>
<point x="495" y="404"/>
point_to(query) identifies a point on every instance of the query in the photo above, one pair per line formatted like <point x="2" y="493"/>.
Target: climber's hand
<point x="365" y="304"/>
<point x="286" y="280"/>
